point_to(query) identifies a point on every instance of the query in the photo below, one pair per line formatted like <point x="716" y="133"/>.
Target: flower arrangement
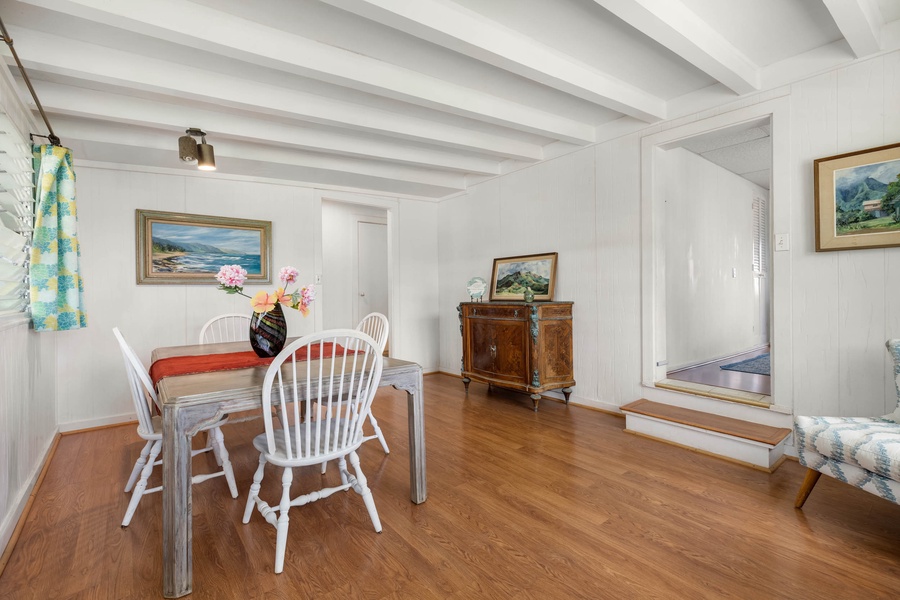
<point x="231" y="280"/>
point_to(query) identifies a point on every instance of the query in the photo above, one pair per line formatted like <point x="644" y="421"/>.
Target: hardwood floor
<point x="555" y="504"/>
<point x="711" y="374"/>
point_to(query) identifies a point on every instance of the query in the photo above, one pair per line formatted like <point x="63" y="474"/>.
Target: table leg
<point x="418" y="488"/>
<point x="179" y="426"/>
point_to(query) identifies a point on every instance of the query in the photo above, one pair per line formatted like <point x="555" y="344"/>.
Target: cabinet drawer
<point x="496" y="312"/>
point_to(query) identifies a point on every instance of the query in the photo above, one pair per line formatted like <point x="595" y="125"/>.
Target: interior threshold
<point x="720" y="393"/>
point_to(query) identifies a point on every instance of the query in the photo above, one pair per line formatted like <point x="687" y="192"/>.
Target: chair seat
<point x="280" y="456"/>
<point x="871" y="444"/>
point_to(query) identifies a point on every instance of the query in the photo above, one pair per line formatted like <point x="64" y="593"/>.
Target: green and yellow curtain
<point x="57" y="291"/>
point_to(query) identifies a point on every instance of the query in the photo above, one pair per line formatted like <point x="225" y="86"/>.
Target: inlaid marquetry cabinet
<point x="518" y="345"/>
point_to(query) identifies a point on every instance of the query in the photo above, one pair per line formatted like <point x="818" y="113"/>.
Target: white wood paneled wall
<point x="844" y="304"/>
<point x="27" y="414"/>
<point x="94" y="390"/>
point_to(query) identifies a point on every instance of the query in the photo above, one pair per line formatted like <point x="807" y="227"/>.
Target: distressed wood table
<point x="191" y="401"/>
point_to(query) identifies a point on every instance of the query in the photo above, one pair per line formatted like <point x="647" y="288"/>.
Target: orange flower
<point x="283" y="297"/>
<point x="263" y="302"/>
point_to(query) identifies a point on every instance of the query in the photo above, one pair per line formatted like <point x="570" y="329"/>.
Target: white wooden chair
<point x="231" y="327"/>
<point x="150" y="429"/>
<point x="344" y="386"/>
<point x="375" y="325"/>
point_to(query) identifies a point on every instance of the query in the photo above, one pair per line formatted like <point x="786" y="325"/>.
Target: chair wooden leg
<point x="222" y="459"/>
<point x="379" y="434"/>
<point x="138" y="466"/>
<point x="253" y="494"/>
<point x="809" y="482"/>
<point x="211" y="443"/>
<point x="142" y="483"/>
<point x="283" y="519"/>
<point x="361" y="486"/>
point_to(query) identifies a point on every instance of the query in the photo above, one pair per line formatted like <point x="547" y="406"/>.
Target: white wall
<point x="89" y="364"/>
<point x="28" y="419"/>
<point x="27" y="414"/>
<point x="339" y="227"/>
<point x="844" y="303"/>
<point x="711" y="293"/>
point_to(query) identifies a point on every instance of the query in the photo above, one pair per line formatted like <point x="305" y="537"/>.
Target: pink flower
<point x="288" y="275"/>
<point x="232" y="275"/>
<point x="307" y="295"/>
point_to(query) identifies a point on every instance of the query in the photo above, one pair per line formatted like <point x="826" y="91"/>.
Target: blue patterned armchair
<point x="861" y="451"/>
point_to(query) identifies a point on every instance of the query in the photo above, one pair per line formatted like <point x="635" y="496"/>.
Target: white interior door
<point x="372" y="269"/>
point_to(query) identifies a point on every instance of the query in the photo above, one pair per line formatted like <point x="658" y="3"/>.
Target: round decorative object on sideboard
<point x="528" y="296"/>
<point x="268" y="332"/>
<point x="476" y="287"/>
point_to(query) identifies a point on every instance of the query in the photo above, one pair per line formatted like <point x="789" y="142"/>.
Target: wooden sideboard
<point x="525" y="346"/>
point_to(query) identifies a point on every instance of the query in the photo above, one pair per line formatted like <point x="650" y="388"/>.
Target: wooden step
<point x="760" y="446"/>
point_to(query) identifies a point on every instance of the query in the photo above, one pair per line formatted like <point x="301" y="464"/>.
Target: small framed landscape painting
<point x="512" y="275"/>
<point x="182" y="248"/>
<point x="858" y="199"/>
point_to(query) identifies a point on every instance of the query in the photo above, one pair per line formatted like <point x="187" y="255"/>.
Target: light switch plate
<point x="782" y="242"/>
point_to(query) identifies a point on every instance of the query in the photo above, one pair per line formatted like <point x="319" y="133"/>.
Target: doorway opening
<point x="355" y="263"/>
<point x="715" y="290"/>
<point x="716" y="193"/>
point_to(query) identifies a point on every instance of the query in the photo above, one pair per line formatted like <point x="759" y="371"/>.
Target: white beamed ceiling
<point x="416" y="99"/>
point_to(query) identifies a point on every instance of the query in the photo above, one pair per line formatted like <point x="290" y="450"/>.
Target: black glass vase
<point x="268" y="331"/>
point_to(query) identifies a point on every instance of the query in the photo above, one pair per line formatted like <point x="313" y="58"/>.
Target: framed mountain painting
<point x="182" y="248"/>
<point x="858" y="199"/>
<point x="512" y="275"/>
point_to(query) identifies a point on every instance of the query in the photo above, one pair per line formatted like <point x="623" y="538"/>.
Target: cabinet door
<point x="509" y="348"/>
<point x="480" y="355"/>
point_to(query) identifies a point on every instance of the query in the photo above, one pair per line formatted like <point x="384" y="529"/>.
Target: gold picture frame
<point x="180" y="248"/>
<point x="510" y="276"/>
<point x="858" y="199"/>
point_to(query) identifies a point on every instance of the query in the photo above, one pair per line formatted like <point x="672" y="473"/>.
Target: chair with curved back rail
<point x="230" y="327"/>
<point x="150" y="429"/>
<point x="340" y="371"/>
<point x="376" y="326"/>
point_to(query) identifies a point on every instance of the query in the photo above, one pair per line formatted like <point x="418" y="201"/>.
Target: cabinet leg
<point x="536" y="398"/>
<point x="466" y="381"/>
<point x="566" y="391"/>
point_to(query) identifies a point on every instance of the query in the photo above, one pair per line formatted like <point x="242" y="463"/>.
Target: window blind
<point x="16" y="217"/>
<point x="760" y="235"/>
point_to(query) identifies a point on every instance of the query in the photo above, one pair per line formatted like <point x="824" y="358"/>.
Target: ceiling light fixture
<point x="191" y="152"/>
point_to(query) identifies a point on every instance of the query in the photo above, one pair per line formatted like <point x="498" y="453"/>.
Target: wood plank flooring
<point x="555" y="504"/>
<point x="711" y="374"/>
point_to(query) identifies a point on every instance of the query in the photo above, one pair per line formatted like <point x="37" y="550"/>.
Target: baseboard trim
<point x="76" y="426"/>
<point x="27" y="499"/>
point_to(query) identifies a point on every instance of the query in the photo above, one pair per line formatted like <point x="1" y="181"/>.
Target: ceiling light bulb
<point x="206" y="160"/>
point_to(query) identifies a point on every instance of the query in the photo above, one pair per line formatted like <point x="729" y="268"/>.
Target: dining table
<point x="190" y="401"/>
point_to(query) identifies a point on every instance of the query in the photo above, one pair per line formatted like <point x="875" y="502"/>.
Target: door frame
<point x="392" y="207"/>
<point x="653" y="252"/>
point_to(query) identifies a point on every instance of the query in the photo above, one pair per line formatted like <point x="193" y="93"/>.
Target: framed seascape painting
<point x="182" y="248"/>
<point x="512" y="275"/>
<point x="858" y="199"/>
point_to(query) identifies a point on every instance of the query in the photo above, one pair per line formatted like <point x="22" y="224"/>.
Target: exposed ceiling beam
<point x="76" y="101"/>
<point x="676" y="27"/>
<point x="469" y="33"/>
<point x="860" y="23"/>
<point x="205" y="28"/>
<point x="92" y="63"/>
<point x="149" y="139"/>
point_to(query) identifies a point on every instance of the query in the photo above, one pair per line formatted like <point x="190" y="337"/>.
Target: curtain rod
<point x="52" y="137"/>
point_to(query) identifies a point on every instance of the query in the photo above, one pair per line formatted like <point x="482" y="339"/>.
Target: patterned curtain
<point x="57" y="292"/>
